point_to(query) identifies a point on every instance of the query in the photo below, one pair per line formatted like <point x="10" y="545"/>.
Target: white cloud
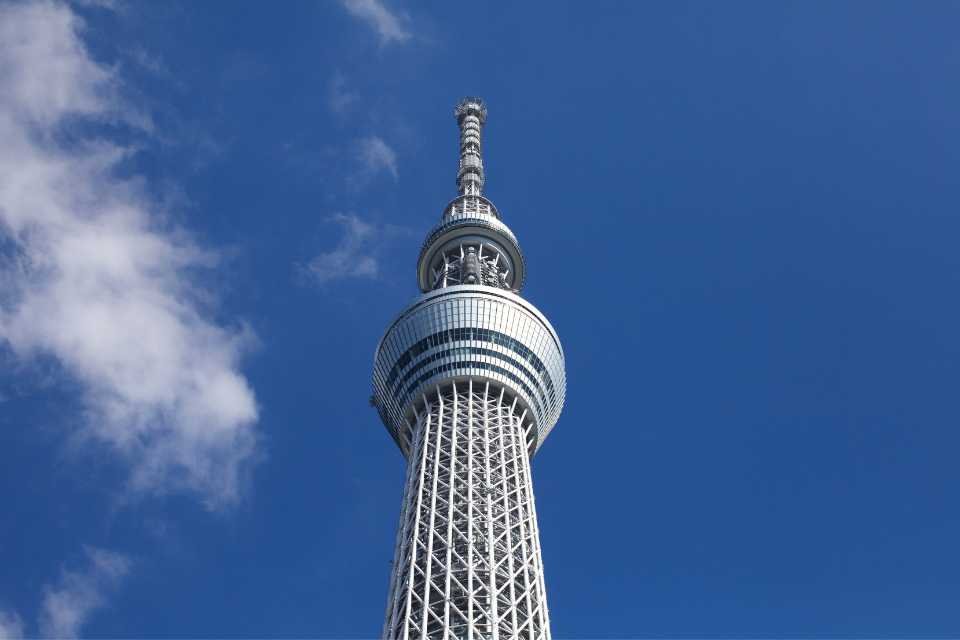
<point x="388" y="25"/>
<point x="91" y="276"/>
<point x="353" y="257"/>
<point x="11" y="626"/>
<point x="376" y="155"/>
<point x="69" y="604"/>
<point x="46" y="72"/>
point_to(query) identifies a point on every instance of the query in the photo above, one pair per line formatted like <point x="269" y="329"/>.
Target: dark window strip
<point x="465" y="351"/>
<point x="469" y="333"/>
<point x="473" y="365"/>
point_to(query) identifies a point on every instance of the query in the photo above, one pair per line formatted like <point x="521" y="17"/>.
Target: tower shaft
<point x="467" y="561"/>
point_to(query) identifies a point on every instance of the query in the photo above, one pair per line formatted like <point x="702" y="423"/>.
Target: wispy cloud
<point x="68" y="605"/>
<point x="376" y="156"/>
<point x="353" y="257"/>
<point x="11" y="626"/>
<point x="390" y="26"/>
<point x="70" y="602"/>
<point x="340" y="99"/>
<point x="360" y="250"/>
<point x="108" y="5"/>
<point x="93" y="277"/>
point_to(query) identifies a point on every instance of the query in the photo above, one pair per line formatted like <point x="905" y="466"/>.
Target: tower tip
<point x="471" y="113"/>
<point x="471" y="105"/>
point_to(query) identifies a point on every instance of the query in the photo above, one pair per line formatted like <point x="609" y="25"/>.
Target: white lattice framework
<point x="467" y="563"/>
<point x="469" y="381"/>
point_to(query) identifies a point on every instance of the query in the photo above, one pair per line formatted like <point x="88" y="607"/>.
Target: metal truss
<point x="467" y="562"/>
<point x="471" y="263"/>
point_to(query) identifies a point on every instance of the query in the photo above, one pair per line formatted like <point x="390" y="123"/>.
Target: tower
<point x="469" y="380"/>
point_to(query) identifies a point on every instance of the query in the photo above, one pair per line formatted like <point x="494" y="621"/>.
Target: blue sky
<point x="741" y="218"/>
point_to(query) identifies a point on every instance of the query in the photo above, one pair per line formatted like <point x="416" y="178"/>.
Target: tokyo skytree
<point x="469" y="380"/>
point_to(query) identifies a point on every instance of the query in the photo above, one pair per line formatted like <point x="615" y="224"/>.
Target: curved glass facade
<point x="469" y="332"/>
<point x="443" y="338"/>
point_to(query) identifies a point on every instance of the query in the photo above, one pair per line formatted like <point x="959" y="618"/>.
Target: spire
<point x="471" y="244"/>
<point x="471" y="113"/>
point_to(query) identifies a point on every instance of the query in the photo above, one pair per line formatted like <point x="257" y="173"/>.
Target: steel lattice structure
<point x="469" y="380"/>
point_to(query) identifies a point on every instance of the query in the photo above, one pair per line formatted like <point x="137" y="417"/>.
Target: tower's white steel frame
<point x="469" y="380"/>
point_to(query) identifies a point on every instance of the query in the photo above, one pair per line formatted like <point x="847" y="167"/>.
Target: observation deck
<point x="466" y="332"/>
